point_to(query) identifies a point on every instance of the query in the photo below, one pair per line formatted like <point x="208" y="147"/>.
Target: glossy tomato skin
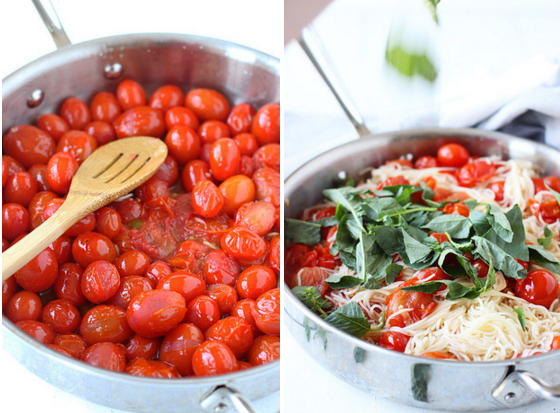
<point x="207" y="200"/>
<point x="213" y="357"/>
<point x="220" y="268"/>
<point x="130" y="287"/>
<point x="9" y="289"/>
<point x="102" y="132"/>
<point x="68" y="284"/>
<point x="498" y="189"/>
<point x="203" y="311"/>
<point x="20" y="188"/>
<point x="105" y="107"/>
<point x="76" y="113"/>
<point x="105" y="355"/>
<point x="188" y="285"/>
<point x="233" y="331"/>
<point x="140" y="121"/>
<point x="38" y="330"/>
<point x="267" y="312"/>
<point x="168" y="172"/>
<point x="108" y="222"/>
<point x="266" y="124"/>
<point x="181" y="116"/>
<point x="15" y="221"/>
<point x="247" y="143"/>
<point x="143" y="347"/>
<point x="183" y="144"/>
<point x="243" y="244"/>
<point x="225" y="295"/>
<point x="77" y="143"/>
<point x="212" y="130"/>
<point x="207" y="104"/>
<point x="24" y="305"/>
<point x="258" y="216"/>
<point x="255" y="281"/>
<point x="28" y="145"/>
<point x="475" y="172"/>
<point x="91" y="247"/>
<point x="40" y="273"/>
<point x="452" y="155"/>
<point x="86" y="224"/>
<point x="274" y="256"/>
<point x="130" y="94"/>
<point x="100" y="281"/>
<point x="240" y="119"/>
<point x="224" y="158"/>
<point x="268" y="156"/>
<point x="424" y="162"/>
<point x="194" y="172"/>
<point x="179" y="345"/>
<point x="39" y="173"/>
<point x="243" y="309"/>
<point x="237" y="190"/>
<point x="457" y="208"/>
<point x="265" y="349"/>
<point x="60" y="171"/>
<point x="539" y="287"/>
<point x="72" y="343"/>
<point x="394" y="340"/>
<point x="157" y="271"/>
<point x="132" y="263"/>
<point x="105" y="323"/>
<point x="155" y="313"/>
<point x="53" y="125"/>
<point x="152" y="368"/>
<point x="62" y="316"/>
<point x="267" y="184"/>
<point x="37" y="205"/>
<point x="166" y="97"/>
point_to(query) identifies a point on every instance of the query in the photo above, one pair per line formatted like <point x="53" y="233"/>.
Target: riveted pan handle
<point x="311" y="44"/>
<point x="521" y="387"/>
<point x="52" y="22"/>
<point x="224" y="398"/>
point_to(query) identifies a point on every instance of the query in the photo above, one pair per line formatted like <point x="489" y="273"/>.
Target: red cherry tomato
<point x="140" y="121"/>
<point x="194" y="172"/>
<point x="100" y="281"/>
<point x="243" y="309"/>
<point x="243" y="244"/>
<point x="437" y="355"/>
<point x="40" y="273"/>
<point x="28" y="145"/>
<point x="258" y="216"/>
<point x="548" y="209"/>
<point x="62" y="316"/>
<point x="255" y="281"/>
<point x="76" y="113"/>
<point x="203" y="311"/>
<point x="105" y="355"/>
<point x="265" y="349"/>
<point x="274" y="256"/>
<point x="9" y="289"/>
<point x="498" y="189"/>
<point x="457" y="208"/>
<point x="237" y="190"/>
<point x="179" y="345"/>
<point x="68" y="284"/>
<point x="474" y="173"/>
<point x="166" y="97"/>
<point x="268" y="156"/>
<point x="233" y="331"/>
<point x="105" y="323"/>
<point x="152" y="368"/>
<point x="102" y="132"/>
<point x="130" y="210"/>
<point x="266" y="124"/>
<point x="539" y="185"/>
<point x="213" y="357"/>
<point x="452" y="155"/>
<point x="108" y="222"/>
<point x="60" y="171"/>
<point x="72" y="343"/>
<point x="240" y="119"/>
<point x="77" y="143"/>
<point x="481" y="268"/>
<point x="553" y="182"/>
<point x="105" y="107"/>
<point x="426" y="162"/>
<point x="183" y="144"/>
<point x="38" y="330"/>
<point x="132" y="263"/>
<point x="441" y="238"/>
<point x="394" y="340"/>
<point x="188" y="285"/>
<point x="15" y="221"/>
<point x="143" y="347"/>
<point x="157" y="271"/>
<point x="225" y="295"/>
<point x="37" y="206"/>
<point x="224" y="158"/>
<point x="130" y="287"/>
<point x="267" y="312"/>
<point x="24" y="305"/>
<point x="20" y="188"/>
<point x="555" y="345"/>
<point x="84" y="225"/>
<point x="207" y="104"/>
<point x="155" y="313"/>
<point x="539" y="287"/>
<point x="220" y="268"/>
<point x="130" y="94"/>
<point x="181" y="116"/>
<point x="53" y="124"/>
<point x="168" y="171"/>
<point x="91" y="247"/>
<point x="207" y="200"/>
<point x="267" y="184"/>
<point x="247" y="143"/>
<point x="212" y="130"/>
<point x="39" y="173"/>
<point x="310" y="277"/>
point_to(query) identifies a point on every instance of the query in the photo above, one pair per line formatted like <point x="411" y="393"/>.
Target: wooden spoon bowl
<point x="108" y="173"/>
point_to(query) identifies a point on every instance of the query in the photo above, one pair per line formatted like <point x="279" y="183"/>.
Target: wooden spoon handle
<point x="71" y="211"/>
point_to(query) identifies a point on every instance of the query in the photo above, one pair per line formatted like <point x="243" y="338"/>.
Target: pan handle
<point x="311" y="44"/>
<point x="223" y="398"/>
<point x="520" y="387"/>
<point x="52" y="22"/>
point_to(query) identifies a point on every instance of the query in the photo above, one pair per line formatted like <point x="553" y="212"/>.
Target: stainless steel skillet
<point x="80" y="70"/>
<point x="420" y="382"/>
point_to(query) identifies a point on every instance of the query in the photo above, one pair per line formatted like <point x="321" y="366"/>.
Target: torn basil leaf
<point x="336" y="282"/>
<point x="521" y="317"/>
<point x="548" y="234"/>
<point x="351" y="319"/>
<point x="457" y="226"/>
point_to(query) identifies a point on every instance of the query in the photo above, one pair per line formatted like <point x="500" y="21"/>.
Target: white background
<point x="254" y="23"/>
<point x="475" y="38"/>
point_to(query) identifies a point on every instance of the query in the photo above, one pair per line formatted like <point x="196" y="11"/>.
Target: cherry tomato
<point x="78" y="143"/>
<point x="15" y="221"/>
<point x="130" y="287"/>
<point x="179" y="345"/>
<point x="246" y="166"/>
<point x="224" y="158"/>
<point x="183" y="144"/>
<point x="76" y="113"/>
<point x="100" y="281"/>
<point x="237" y="190"/>
<point x="394" y="340"/>
<point x="152" y="368"/>
<point x="538" y="183"/>
<point x="102" y="132"/>
<point x="194" y="172"/>
<point x="62" y="248"/>
<point x="24" y="305"/>
<point x="168" y="172"/>
<point x="555" y="345"/>
<point x="130" y="210"/>
<point x="274" y="256"/>
<point x="267" y="184"/>
<point x="130" y="94"/>
<point x="225" y="295"/>
<point x="266" y="124"/>
<point x="437" y="355"/>
<point x="539" y="287"/>
<point x="166" y="97"/>
<point x="91" y="247"/>
<point x="28" y="145"/>
<point x="105" y="355"/>
<point x="233" y="331"/>
<point x="441" y="238"/>
<point x="59" y="350"/>
<point x="203" y="311"/>
<point x="207" y="104"/>
<point x="207" y="200"/>
<point x="72" y="343"/>
<point x="220" y="268"/>
<point x="39" y="173"/>
<point x="132" y="263"/>
<point x="243" y="309"/>
<point x="267" y="312"/>
<point x="212" y="130"/>
<point x="62" y="316"/>
<point x="240" y="119"/>
<point x="553" y="182"/>
<point x="108" y="222"/>
<point x="38" y="330"/>
<point x="453" y="155"/>
<point x="481" y="268"/>
<point x="143" y="347"/>
<point x="105" y="107"/>
<point x="140" y="121"/>
<point x="20" y="188"/>
<point x="105" y="323"/>
<point x="155" y="313"/>
<point x="474" y="173"/>
<point x="426" y="162"/>
<point x="243" y="244"/>
<point x="398" y="180"/>
<point x="457" y="208"/>
<point x="68" y="284"/>
<point x="255" y="281"/>
<point x="311" y="277"/>
<point x="268" y="155"/>
<point x="37" y="205"/>
<point x="9" y="289"/>
<point x="9" y="167"/>
<point x="265" y="349"/>
<point x="212" y="358"/>
<point x="181" y="116"/>
<point x="157" y="271"/>
<point x="53" y="124"/>
<point x="38" y="274"/>
<point x="205" y="152"/>
<point x="258" y="216"/>
<point x="188" y="285"/>
<point x="498" y="189"/>
<point x="247" y="143"/>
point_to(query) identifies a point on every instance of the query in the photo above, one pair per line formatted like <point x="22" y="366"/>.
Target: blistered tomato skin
<point x="28" y="145"/>
<point x="40" y="273"/>
<point x="233" y="331"/>
<point x="266" y="125"/>
<point x="267" y="312"/>
<point x="243" y="244"/>
<point x="207" y="200"/>
<point x="265" y="349"/>
<point x="179" y="345"/>
<point x="213" y="357"/>
<point x="105" y="355"/>
<point x="140" y="121"/>
<point x="105" y="323"/>
<point x="100" y="281"/>
<point x="240" y="119"/>
<point x="38" y="330"/>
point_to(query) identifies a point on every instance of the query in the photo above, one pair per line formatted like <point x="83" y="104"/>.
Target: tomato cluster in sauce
<point x="307" y="265"/>
<point x="181" y="277"/>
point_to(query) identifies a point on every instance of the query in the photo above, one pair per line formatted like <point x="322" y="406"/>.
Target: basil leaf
<point x="302" y="232"/>
<point x="415" y="250"/>
<point x="349" y="199"/>
<point x="499" y="222"/>
<point x="464" y="268"/>
<point x="376" y="270"/>
<point x="502" y="260"/>
<point x="391" y="272"/>
<point x="521" y="317"/>
<point x="480" y="222"/>
<point x="390" y="239"/>
<point x="350" y="319"/>
<point x="544" y="258"/>
<point x="548" y="234"/>
<point x="336" y="282"/>
<point x="410" y="64"/>
<point x="344" y="240"/>
<point x="457" y="226"/>
<point x="376" y="208"/>
<point x="311" y="297"/>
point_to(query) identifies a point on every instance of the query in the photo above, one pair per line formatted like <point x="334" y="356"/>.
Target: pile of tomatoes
<point x="181" y="277"/>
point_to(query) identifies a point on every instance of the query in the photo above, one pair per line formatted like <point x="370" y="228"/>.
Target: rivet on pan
<point x="220" y="407"/>
<point x="510" y="397"/>
<point x="113" y="70"/>
<point x="35" y="98"/>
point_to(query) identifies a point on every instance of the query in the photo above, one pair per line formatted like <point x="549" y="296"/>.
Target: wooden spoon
<point x="108" y="173"/>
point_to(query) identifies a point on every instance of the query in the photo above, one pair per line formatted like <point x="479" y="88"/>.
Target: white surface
<point x="253" y="23"/>
<point x="475" y="38"/>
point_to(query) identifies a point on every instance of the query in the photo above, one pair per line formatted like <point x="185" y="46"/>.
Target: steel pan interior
<point x="416" y="381"/>
<point x="243" y="75"/>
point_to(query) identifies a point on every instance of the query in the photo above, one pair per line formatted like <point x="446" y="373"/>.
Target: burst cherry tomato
<point x="475" y="172"/>
<point x="38" y="330"/>
<point x="426" y="162"/>
<point x="498" y="189"/>
<point x="243" y="244"/>
<point x="265" y="349"/>
<point x="105" y="355"/>
<point x="143" y="347"/>
<point x="539" y="287"/>
<point x="152" y="368"/>
<point x="62" y="316"/>
<point x="68" y="284"/>
<point x="100" y="281"/>
<point x="179" y="345"/>
<point x="457" y="208"/>
<point x="105" y="323"/>
<point x="267" y="312"/>
<point x="233" y="331"/>
<point x="203" y="311"/>
<point x="394" y="340"/>
<point x="207" y="200"/>
<point x="240" y="119"/>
